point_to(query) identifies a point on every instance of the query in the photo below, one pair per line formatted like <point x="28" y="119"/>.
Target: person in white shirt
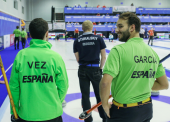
<point x="99" y="23"/>
<point x="110" y="37"/>
<point x="142" y="33"/>
<point x="68" y="23"/>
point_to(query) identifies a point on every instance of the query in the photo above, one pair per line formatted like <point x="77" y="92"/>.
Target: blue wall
<point x="7" y="24"/>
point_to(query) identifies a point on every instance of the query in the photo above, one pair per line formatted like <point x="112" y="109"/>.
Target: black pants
<point x="66" y="37"/>
<point x="150" y="38"/>
<point x="23" y="42"/>
<point x="58" y="119"/>
<point x="87" y="74"/>
<point x="142" y="35"/>
<point x="142" y="113"/>
<point x="16" y="40"/>
<point x="76" y="35"/>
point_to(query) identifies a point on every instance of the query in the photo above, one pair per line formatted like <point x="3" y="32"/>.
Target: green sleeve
<point x="14" y="84"/>
<point x="62" y="81"/>
<point x="160" y="71"/>
<point x="14" y="32"/>
<point x="25" y="33"/>
<point x="112" y="63"/>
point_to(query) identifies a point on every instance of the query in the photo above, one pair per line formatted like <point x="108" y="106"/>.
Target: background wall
<point x="8" y="8"/>
<point x="42" y="8"/>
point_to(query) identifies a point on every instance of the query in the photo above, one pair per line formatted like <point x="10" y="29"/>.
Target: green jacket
<point x="23" y="34"/>
<point x="17" y="32"/>
<point x="38" y="82"/>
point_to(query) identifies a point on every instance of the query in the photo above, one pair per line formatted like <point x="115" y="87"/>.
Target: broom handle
<point x="96" y="106"/>
<point x="8" y="89"/>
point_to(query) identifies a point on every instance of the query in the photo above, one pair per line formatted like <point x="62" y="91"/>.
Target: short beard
<point x="125" y="36"/>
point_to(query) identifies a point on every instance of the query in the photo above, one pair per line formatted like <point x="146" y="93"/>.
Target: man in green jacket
<point x="17" y="33"/>
<point x="38" y="81"/>
<point x="23" y="38"/>
<point x="131" y="71"/>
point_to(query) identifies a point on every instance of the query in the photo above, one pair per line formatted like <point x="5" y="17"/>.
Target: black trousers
<point x="66" y="36"/>
<point x="58" y="119"/>
<point x="16" y="40"/>
<point x="150" y="38"/>
<point x="23" y="40"/>
<point x="142" y="35"/>
<point x="142" y="113"/>
<point x="76" y="35"/>
<point x="87" y="74"/>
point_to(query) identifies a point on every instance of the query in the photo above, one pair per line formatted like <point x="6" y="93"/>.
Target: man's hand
<point x="107" y="109"/>
<point x="2" y="82"/>
<point x="13" y="119"/>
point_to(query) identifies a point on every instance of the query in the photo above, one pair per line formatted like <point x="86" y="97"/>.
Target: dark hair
<point x="17" y="27"/>
<point x="37" y="28"/>
<point x="23" y="28"/>
<point x="132" y="19"/>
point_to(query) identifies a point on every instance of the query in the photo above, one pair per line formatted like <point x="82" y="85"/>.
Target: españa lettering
<point x="44" y="78"/>
<point x="143" y="74"/>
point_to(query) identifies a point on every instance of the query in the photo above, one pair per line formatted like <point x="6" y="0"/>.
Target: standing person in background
<point x="154" y="32"/>
<point x="66" y="34"/>
<point x="38" y="81"/>
<point x="79" y="6"/>
<point x="98" y="14"/>
<point x="130" y="74"/>
<point x="110" y="37"/>
<point x="75" y="6"/>
<point x="99" y="23"/>
<point x="142" y="32"/>
<point x="57" y="37"/>
<point x="104" y="6"/>
<point x="113" y="33"/>
<point x="94" y="23"/>
<point x="87" y="49"/>
<point x="94" y="31"/>
<point x="151" y="35"/>
<point x="17" y="33"/>
<point x="68" y="23"/>
<point x="146" y="31"/>
<point x="76" y="33"/>
<point x="98" y="6"/>
<point x="23" y="38"/>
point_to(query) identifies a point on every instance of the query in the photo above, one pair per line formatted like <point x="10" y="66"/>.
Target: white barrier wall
<point x="6" y="41"/>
